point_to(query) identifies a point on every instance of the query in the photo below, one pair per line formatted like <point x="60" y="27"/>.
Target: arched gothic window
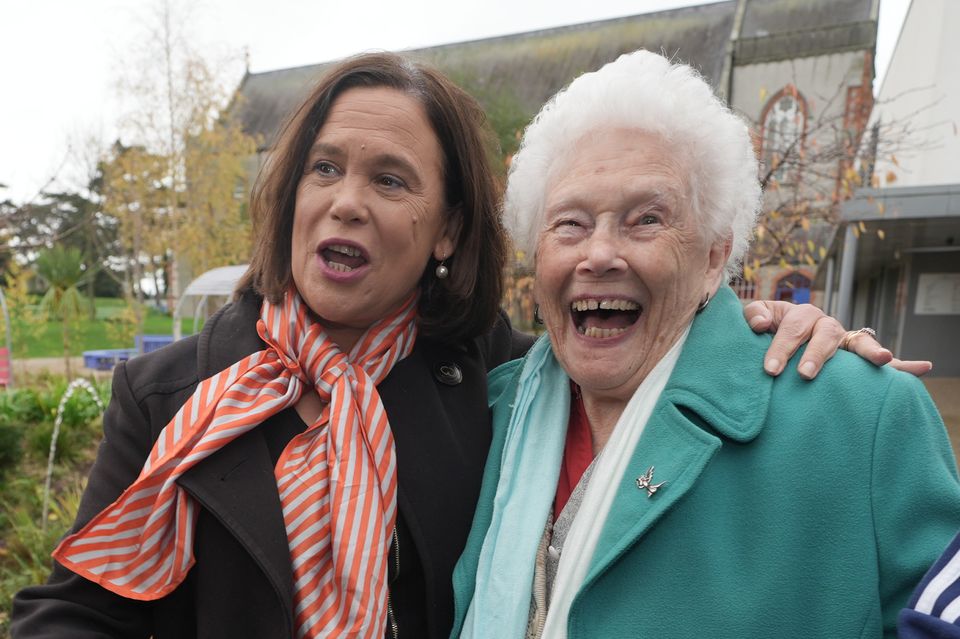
<point x="784" y="125"/>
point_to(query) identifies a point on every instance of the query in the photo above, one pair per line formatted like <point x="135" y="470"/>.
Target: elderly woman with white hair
<point x="645" y="477"/>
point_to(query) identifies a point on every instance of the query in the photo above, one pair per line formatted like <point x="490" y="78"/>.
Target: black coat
<point x="241" y="585"/>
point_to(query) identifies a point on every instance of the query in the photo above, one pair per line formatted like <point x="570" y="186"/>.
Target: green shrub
<point x="33" y="412"/>
<point x="11" y="446"/>
<point x="27" y="417"/>
<point x="80" y="409"/>
<point x="21" y="406"/>
<point x="27" y="544"/>
<point x="70" y="443"/>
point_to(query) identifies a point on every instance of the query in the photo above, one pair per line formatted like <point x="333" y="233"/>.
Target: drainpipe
<point x="725" y="86"/>
<point x="847" y="266"/>
<point x="828" y="289"/>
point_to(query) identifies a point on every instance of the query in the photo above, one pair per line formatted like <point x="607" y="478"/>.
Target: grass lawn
<point x="97" y="333"/>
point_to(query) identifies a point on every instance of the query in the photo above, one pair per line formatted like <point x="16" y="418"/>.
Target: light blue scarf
<point x="534" y="444"/>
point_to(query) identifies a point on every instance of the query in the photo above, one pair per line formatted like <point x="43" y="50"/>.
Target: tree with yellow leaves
<point x="812" y="160"/>
<point x="216" y="228"/>
<point x="179" y="189"/>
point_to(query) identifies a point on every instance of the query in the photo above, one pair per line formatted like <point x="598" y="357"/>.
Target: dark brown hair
<point x="465" y="303"/>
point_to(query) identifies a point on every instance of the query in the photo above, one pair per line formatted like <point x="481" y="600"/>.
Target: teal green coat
<point x="792" y="508"/>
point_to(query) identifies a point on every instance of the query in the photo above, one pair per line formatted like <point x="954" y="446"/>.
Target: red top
<point x="577" y="452"/>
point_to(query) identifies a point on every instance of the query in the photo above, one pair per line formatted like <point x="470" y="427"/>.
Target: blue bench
<point x="106" y="359"/>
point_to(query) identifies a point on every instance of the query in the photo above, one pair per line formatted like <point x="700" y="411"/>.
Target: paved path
<point x="35" y="366"/>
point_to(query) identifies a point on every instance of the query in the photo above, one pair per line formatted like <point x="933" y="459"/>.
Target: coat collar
<point x="717" y="391"/>
<point x="230" y="335"/>
<point x="719" y="375"/>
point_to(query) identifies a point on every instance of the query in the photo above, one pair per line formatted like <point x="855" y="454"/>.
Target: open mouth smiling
<point x="342" y="257"/>
<point x="603" y="318"/>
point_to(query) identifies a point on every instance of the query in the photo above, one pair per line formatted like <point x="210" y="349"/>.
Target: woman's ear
<point x="716" y="263"/>
<point x="448" y="241"/>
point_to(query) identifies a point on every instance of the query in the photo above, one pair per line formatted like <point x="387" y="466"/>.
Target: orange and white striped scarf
<point x="337" y="485"/>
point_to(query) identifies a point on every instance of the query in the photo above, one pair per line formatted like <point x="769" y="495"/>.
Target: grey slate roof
<point x="533" y="66"/>
<point x="777" y="29"/>
<point x="530" y="67"/>
<point x="771" y="17"/>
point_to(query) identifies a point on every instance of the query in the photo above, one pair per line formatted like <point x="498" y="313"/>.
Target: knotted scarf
<point x="337" y="480"/>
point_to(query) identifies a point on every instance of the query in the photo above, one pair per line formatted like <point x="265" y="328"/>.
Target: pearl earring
<point x="442" y="270"/>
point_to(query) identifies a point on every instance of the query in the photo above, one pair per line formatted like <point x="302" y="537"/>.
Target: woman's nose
<point x="350" y="202"/>
<point x="603" y="253"/>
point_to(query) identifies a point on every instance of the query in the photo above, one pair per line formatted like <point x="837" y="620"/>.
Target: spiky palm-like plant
<point x="62" y="268"/>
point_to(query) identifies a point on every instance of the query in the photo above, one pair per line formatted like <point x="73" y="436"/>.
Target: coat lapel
<point x="717" y="391"/>
<point x="678" y="450"/>
<point x="236" y="484"/>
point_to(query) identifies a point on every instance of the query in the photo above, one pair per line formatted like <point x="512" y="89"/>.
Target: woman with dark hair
<point x="309" y="464"/>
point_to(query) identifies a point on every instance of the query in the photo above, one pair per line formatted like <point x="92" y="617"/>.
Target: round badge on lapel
<point x="448" y="373"/>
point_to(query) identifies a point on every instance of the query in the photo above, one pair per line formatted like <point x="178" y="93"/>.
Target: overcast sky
<point x="59" y="59"/>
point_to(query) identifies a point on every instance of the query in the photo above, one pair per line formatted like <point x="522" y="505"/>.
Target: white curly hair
<point x="647" y="92"/>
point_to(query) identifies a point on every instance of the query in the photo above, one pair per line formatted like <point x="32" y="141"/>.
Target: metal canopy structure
<point x="894" y="264"/>
<point x="913" y="219"/>
<point x="217" y="281"/>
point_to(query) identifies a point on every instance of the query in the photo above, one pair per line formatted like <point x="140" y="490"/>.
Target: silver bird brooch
<point x="645" y="481"/>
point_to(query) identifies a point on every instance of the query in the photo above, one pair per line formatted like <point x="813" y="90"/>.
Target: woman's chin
<point x="601" y="358"/>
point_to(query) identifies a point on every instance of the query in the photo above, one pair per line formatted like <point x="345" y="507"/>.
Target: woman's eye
<point x="390" y="182"/>
<point x="324" y="168"/>
<point x="567" y="228"/>
<point x="649" y="219"/>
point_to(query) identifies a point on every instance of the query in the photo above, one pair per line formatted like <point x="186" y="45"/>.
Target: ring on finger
<point x="849" y="335"/>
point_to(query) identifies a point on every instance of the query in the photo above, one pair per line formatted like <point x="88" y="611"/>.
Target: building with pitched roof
<point x="800" y="70"/>
<point x="787" y="65"/>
